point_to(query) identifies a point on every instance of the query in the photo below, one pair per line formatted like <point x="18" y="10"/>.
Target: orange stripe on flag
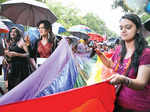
<point x="93" y="105"/>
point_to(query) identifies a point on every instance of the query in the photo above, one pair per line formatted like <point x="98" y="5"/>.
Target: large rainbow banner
<point x="60" y="85"/>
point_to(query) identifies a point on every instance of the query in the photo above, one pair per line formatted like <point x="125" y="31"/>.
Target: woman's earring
<point x="48" y="36"/>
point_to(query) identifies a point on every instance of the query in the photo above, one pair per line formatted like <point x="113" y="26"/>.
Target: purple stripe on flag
<point x="41" y="78"/>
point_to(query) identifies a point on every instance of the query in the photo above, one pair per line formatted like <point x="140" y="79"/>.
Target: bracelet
<point x="127" y="81"/>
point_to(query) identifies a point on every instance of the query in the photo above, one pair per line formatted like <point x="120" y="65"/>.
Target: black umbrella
<point x="26" y="12"/>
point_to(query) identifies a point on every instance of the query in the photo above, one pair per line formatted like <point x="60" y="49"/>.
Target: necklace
<point x="125" y="68"/>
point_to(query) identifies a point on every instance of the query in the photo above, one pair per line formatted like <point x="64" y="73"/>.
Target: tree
<point x="130" y="5"/>
<point x="2" y="1"/>
<point x="70" y="16"/>
<point x="119" y="3"/>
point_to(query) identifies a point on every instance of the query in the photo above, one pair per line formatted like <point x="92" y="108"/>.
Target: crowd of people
<point x="129" y="59"/>
<point x="20" y="56"/>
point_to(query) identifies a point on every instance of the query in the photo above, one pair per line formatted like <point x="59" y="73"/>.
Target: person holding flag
<point x="131" y="65"/>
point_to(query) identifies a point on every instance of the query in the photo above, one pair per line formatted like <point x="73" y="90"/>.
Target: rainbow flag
<point x="62" y="71"/>
<point x="95" y="98"/>
<point x="57" y="74"/>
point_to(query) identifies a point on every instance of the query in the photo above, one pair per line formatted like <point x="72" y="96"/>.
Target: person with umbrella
<point x="82" y="48"/>
<point x="46" y="44"/>
<point x="3" y="29"/>
<point x="131" y="65"/>
<point x="17" y="56"/>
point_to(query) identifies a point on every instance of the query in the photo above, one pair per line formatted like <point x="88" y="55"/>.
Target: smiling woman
<point x="127" y="29"/>
<point x="130" y="63"/>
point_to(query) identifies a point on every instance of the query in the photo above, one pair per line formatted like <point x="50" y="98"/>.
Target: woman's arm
<point x="142" y="79"/>
<point x="106" y="61"/>
<point x="21" y="44"/>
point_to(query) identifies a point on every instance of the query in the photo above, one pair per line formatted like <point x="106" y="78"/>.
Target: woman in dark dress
<point x="17" y="57"/>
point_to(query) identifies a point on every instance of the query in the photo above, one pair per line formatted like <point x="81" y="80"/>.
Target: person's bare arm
<point x="142" y="79"/>
<point x="21" y="45"/>
<point x="106" y="61"/>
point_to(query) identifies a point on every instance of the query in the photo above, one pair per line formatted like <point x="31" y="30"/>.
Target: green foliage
<point x="69" y="16"/>
<point x="1" y="1"/>
<point x="95" y="23"/>
<point x="66" y="16"/>
<point x="119" y="3"/>
<point x="145" y="17"/>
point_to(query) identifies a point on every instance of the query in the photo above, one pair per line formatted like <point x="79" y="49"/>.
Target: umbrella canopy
<point x="95" y="36"/>
<point x="3" y="28"/>
<point x="80" y="35"/>
<point x="80" y="28"/>
<point x="33" y="34"/>
<point x="10" y="24"/>
<point x="80" y="31"/>
<point x="26" y="12"/>
<point x="112" y="41"/>
<point x="58" y="28"/>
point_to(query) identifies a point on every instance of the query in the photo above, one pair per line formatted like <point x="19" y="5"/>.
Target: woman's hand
<point x="116" y="79"/>
<point x="10" y="53"/>
<point x="27" y="40"/>
<point x="98" y="51"/>
<point x="5" y="61"/>
<point x="120" y="79"/>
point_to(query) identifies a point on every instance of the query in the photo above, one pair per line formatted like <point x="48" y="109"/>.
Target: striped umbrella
<point x="96" y="37"/>
<point x="3" y="28"/>
<point x="80" y="31"/>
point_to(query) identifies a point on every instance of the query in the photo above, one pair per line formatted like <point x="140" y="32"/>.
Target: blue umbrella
<point x="10" y="24"/>
<point x="33" y="34"/>
<point x="58" y="28"/>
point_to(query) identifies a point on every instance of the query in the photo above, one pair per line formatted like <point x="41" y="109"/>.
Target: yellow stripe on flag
<point x="95" y="76"/>
<point x="99" y="70"/>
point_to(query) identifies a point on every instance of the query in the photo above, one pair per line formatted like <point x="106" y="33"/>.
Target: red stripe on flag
<point x="95" y="98"/>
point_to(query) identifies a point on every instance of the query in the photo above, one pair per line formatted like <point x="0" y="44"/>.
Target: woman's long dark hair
<point x="48" y="26"/>
<point x="18" y="32"/>
<point x="140" y="43"/>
